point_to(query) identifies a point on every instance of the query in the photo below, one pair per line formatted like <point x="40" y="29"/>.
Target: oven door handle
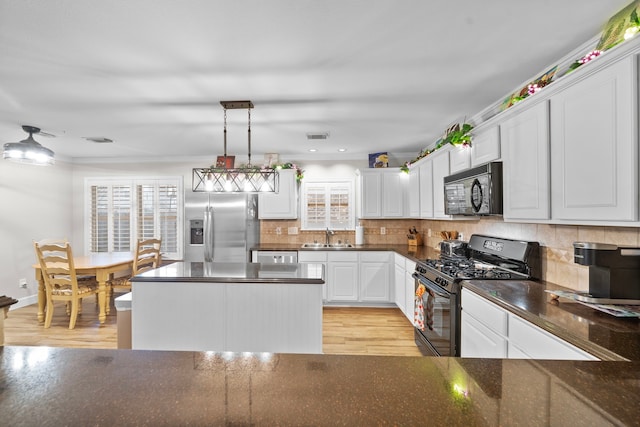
<point x="431" y="287"/>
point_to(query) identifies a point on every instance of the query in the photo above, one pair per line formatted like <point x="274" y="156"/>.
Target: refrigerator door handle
<point x="208" y="234"/>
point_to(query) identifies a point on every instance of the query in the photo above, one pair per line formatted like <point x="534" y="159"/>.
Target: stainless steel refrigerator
<point x="221" y="227"/>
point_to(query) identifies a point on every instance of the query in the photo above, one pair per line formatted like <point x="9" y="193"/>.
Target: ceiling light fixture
<point x="28" y="150"/>
<point x="342" y="150"/>
<point x="246" y="179"/>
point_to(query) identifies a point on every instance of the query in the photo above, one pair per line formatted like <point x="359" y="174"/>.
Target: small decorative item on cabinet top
<point x="379" y="160"/>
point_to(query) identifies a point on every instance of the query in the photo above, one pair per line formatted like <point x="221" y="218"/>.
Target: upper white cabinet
<point x="594" y="150"/>
<point x="459" y="159"/>
<point x="525" y="153"/>
<point x="485" y="147"/>
<point x="284" y="203"/>
<point x="425" y="168"/>
<point x="382" y="193"/>
<point x="413" y="193"/>
<point x="441" y="169"/>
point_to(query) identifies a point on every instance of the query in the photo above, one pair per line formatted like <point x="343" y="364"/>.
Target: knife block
<point x="414" y="240"/>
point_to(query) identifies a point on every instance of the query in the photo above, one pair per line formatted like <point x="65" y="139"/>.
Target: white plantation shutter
<point x="328" y="205"/>
<point x="122" y="212"/>
<point x="158" y="214"/>
<point x="99" y="217"/>
<point x="315" y="206"/>
<point x="340" y="207"/>
<point x="168" y="220"/>
<point x="121" y="218"/>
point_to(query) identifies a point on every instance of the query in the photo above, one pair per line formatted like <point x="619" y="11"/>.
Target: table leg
<point x="101" y="277"/>
<point x="42" y="299"/>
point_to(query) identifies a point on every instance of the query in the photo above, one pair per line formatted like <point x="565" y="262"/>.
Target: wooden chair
<point x="147" y="257"/>
<point x="61" y="282"/>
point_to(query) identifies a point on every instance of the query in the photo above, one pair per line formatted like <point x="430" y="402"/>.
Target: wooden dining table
<point x="100" y="265"/>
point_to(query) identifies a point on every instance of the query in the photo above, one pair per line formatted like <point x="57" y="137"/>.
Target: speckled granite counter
<point x="134" y="387"/>
<point x="416" y="253"/>
<point x="603" y="335"/>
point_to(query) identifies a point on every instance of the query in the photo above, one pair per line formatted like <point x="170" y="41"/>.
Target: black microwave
<point x="475" y="191"/>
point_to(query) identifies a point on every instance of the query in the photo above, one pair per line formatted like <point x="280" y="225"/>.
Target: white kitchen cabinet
<point x="316" y="257"/>
<point x="480" y="341"/>
<point x="399" y="282"/>
<point x="382" y="193"/>
<point x="375" y="277"/>
<point x="413" y="192"/>
<point x="284" y="203"/>
<point x="594" y="151"/>
<point x="525" y="156"/>
<point x="440" y="160"/>
<point x="459" y="159"/>
<point x="343" y="276"/>
<point x="488" y="330"/>
<point x="540" y="344"/>
<point x="409" y="289"/>
<point x="485" y="146"/>
<point x="425" y="168"/>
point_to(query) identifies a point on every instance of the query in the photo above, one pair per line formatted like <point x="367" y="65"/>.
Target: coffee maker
<point x="614" y="272"/>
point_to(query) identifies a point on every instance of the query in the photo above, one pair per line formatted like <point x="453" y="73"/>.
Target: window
<point x="328" y="205"/>
<point x="120" y="211"/>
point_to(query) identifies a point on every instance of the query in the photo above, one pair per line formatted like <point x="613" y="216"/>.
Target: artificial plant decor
<point x="458" y="134"/>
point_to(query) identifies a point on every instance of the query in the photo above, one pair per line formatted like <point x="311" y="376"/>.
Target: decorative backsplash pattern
<point x="556" y="240"/>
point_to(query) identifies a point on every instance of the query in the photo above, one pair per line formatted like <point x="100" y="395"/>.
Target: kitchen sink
<point x="325" y="246"/>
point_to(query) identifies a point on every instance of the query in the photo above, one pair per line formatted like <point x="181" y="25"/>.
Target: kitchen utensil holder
<point x="414" y="240"/>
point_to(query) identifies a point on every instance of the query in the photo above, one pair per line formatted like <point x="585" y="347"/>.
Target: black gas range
<point x="437" y="328"/>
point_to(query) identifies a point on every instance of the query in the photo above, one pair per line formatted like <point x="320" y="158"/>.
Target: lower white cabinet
<point x="480" y="341"/>
<point x="409" y="288"/>
<point x="399" y="286"/>
<point x="342" y="282"/>
<point x="536" y="343"/>
<point x="488" y="330"/>
<point x="404" y="285"/>
<point x="375" y="275"/>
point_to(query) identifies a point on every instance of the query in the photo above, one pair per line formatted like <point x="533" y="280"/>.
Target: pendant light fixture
<point x="28" y="150"/>
<point x="246" y="179"/>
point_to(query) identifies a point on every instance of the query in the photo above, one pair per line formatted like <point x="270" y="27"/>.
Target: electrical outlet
<point x="278" y="230"/>
<point x="292" y="230"/>
<point x="383" y="230"/>
<point x="22" y="283"/>
<point x="429" y="233"/>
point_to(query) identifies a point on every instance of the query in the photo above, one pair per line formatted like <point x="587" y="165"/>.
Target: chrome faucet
<point x="329" y="233"/>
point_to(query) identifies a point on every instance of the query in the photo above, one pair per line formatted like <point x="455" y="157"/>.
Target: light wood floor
<point x="363" y="331"/>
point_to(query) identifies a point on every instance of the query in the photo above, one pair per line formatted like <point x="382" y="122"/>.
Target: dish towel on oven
<point x="429" y="311"/>
<point x="418" y="312"/>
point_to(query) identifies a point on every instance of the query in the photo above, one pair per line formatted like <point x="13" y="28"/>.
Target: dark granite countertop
<point x="603" y="335"/>
<point x="414" y="253"/>
<point x="234" y="272"/>
<point x="54" y="386"/>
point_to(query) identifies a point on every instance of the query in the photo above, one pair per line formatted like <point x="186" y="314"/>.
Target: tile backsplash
<point x="556" y="240"/>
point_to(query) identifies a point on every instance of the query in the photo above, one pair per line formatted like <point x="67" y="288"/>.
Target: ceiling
<point x="376" y="75"/>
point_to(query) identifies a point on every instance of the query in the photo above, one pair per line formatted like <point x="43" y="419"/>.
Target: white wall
<point x="181" y="167"/>
<point x="36" y="204"/>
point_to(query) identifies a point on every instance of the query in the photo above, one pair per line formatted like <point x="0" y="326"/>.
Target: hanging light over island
<point x="246" y="179"/>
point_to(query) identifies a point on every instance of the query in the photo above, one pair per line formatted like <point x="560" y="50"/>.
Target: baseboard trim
<point x="25" y="301"/>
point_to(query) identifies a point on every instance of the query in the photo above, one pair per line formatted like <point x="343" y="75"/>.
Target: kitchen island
<point x="133" y="387"/>
<point x="236" y="307"/>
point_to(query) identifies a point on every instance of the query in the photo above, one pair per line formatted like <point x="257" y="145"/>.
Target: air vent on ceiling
<point x="318" y="135"/>
<point x="98" y="139"/>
